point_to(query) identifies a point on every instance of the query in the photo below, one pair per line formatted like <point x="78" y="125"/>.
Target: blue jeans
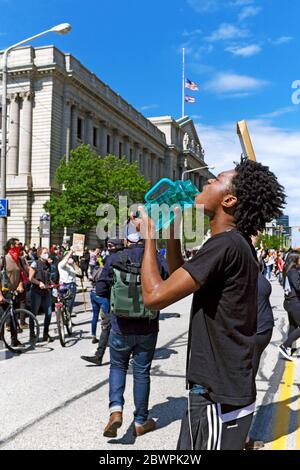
<point x="97" y="303"/>
<point x="142" y="349"/>
<point x="71" y="301"/>
<point x="44" y="302"/>
<point x="268" y="272"/>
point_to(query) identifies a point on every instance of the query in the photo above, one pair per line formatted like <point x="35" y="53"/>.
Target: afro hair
<point x="260" y="197"/>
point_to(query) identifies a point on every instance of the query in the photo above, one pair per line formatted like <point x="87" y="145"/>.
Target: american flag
<point x="191" y="85"/>
<point x="190" y="99"/>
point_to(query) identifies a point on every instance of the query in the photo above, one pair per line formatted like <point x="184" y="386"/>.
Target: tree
<point x="90" y="180"/>
<point x="271" y="241"/>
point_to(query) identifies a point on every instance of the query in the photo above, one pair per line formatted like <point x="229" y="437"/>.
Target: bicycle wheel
<point x="16" y="337"/>
<point x="60" y="326"/>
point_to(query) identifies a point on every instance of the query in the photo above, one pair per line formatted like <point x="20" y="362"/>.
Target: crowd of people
<point x="33" y="272"/>
<point x="231" y="320"/>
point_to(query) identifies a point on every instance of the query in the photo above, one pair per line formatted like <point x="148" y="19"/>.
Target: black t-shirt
<point x="224" y="319"/>
<point x="265" y="318"/>
<point x="293" y="276"/>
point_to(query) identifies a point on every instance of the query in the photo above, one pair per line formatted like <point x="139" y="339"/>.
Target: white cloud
<point x="146" y="107"/>
<point x="274" y="146"/>
<point x="246" y="51"/>
<point x="248" y="12"/>
<point x="279" y="112"/>
<point x="201" y="69"/>
<point x="238" y="3"/>
<point x="225" y="82"/>
<point x="194" y="32"/>
<point x="201" y="51"/>
<point x="227" y="31"/>
<point x="282" y="40"/>
<point x="205" y="6"/>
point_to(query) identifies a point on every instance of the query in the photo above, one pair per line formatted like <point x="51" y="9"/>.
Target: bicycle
<point x="11" y="328"/>
<point x="63" y="316"/>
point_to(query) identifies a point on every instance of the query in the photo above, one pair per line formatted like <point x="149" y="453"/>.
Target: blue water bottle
<point x="166" y="194"/>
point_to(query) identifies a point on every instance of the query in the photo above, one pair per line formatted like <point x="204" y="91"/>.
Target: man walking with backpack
<point x="134" y="331"/>
<point x="100" y="300"/>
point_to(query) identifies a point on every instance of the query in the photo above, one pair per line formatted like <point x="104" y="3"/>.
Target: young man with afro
<point x="223" y="278"/>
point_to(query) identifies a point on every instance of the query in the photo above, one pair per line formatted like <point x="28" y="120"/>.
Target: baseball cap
<point x="117" y="242"/>
<point x="134" y="237"/>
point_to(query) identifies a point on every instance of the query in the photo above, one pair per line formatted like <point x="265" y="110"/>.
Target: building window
<point x="79" y="128"/>
<point x="131" y="155"/>
<point x="95" y="137"/>
<point x="108" y="144"/>
<point x="120" y="149"/>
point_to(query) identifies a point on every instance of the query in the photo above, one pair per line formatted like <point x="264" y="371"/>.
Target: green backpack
<point x="126" y="292"/>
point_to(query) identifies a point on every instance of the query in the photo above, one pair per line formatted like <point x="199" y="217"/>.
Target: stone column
<point x="88" y="131"/>
<point x="73" y="127"/>
<point x="102" y="137"/>
<point x="13" y="141"/>
<point x="66" y="127"/>
<point x="136" y="153"/>
<point x="115" y="147"/>
<point x="153" y="169"/>
<point x="160" y="168"/>
<point x="25" y="135"/>
<point x="145" y="163"/>
<point x="126" y="147"/>
<point x="142" y="161"/>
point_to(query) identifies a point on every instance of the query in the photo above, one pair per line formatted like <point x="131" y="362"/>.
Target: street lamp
<point x="63" y="28"/>
<point x="212" y="167"/>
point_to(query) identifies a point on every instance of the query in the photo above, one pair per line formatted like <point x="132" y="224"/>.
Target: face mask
<point x="45" y="256"/>
<point x="15" y="251"/>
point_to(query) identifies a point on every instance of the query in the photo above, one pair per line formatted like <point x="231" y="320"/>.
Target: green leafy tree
<point x="89" y="181"/>
<point x="271" y="241"/>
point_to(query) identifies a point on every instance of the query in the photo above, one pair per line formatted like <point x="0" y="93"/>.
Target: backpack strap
<point x="124" y="264"/>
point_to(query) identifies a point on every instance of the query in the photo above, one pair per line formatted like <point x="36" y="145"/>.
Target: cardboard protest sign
<point x="78" y="243"/>
<point x="247" y="147"/>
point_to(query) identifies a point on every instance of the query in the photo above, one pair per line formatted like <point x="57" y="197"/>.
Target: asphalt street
<point x="51" y="399"/>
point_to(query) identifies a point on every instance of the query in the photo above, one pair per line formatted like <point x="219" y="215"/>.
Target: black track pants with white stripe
<point x="204" y="428"/>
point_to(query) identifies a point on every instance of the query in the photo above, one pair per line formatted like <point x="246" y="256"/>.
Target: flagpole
<point x="183" y="80"/>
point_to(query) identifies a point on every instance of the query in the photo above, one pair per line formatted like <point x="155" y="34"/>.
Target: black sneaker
<point x="92" y="359"/>
<point x="16" y="344"/>
<point x="286" y="352"/>
<point x="32" y="338"/>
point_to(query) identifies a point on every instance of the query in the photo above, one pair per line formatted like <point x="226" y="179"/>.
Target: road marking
<point x="283" y="411"/>
<point x="298" y="422"/>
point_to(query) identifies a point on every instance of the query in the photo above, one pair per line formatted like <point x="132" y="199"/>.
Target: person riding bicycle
<point x="67" y="276"/>
<point x="39" y="276"/>
<point x="11" y="266"/>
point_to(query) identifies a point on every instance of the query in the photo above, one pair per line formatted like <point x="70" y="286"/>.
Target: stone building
<point x="55" y="104"/>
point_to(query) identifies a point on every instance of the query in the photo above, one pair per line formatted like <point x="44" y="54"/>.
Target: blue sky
<point x="244" y="54"/>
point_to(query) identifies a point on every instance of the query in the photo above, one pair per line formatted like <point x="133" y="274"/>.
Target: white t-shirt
<point x="67" y="273"/>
